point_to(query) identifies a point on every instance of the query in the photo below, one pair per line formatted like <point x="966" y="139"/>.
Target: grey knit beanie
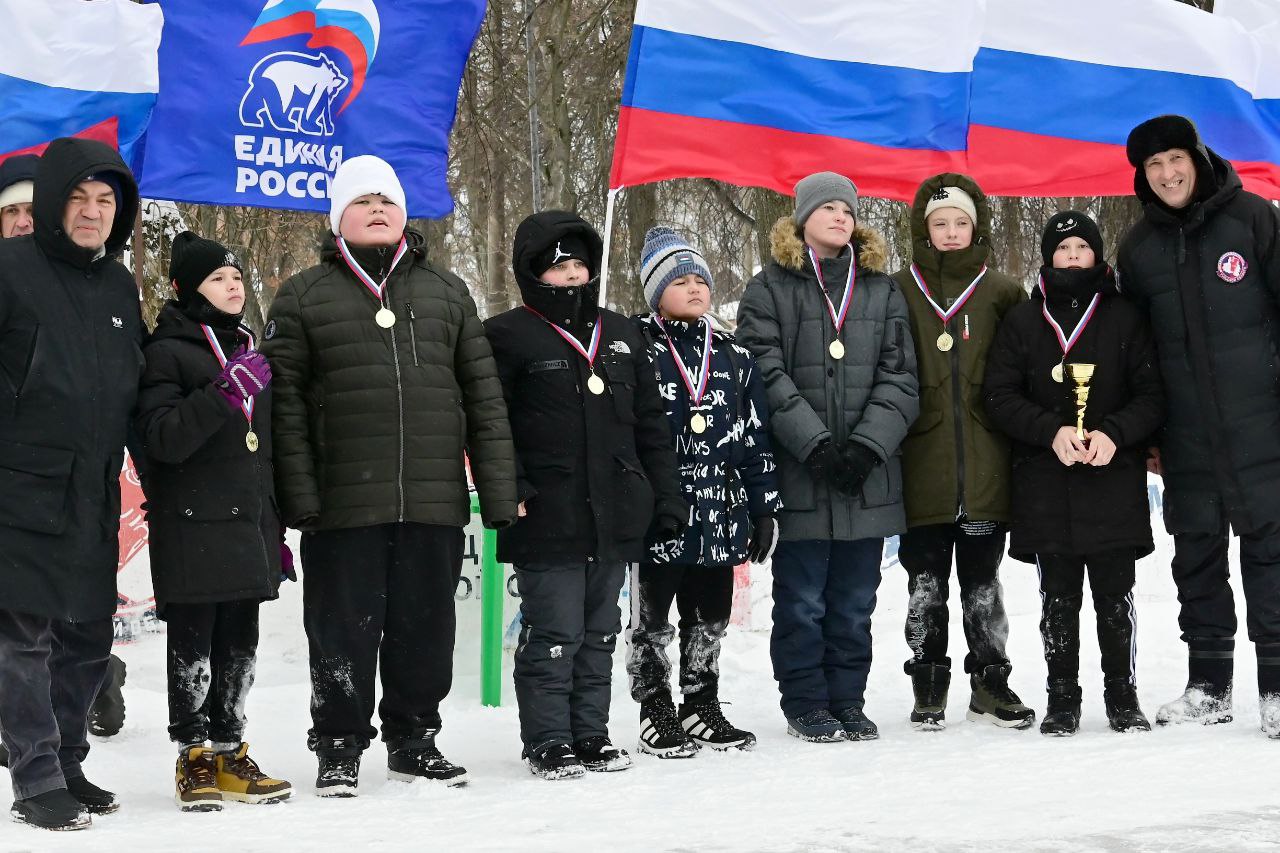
<point x="818" y="189"/>
<point x="667" y="256"/>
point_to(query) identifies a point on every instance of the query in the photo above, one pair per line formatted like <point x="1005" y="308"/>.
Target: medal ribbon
<point x="1063" y="341"/>
<point x="696" y="390"/>
<point x="837" y="317"/>
<point x="247" y="405"/>
<point x="588" y="352"/>
<point x="378" y="290"/>
<point x="945" y="316"/>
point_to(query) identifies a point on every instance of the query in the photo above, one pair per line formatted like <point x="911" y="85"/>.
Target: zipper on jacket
<point x="395" y="360"/>
<point x="955" y="414"/>
<point x="413" y="332"/>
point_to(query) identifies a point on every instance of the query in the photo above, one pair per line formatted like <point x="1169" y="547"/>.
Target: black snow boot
<point x="599" y="755"/>
<point x="1123" y="713"/>
<point x="929" y="682"/>
<point x="106" y="714"/>
<point x="56" y="810"/>
<point x="1207" y="698"/>
<point x="660" y="731"/>
<point x="554" y="762"/>
<point x="419" y="758"/>
<point x="94" y="799"/>
<point x="704" y="722"/>
<point x="993" y="700"/>
<point x="856" y="724"/>
<point x="1269" y="690"/>
<point x="1062" y="715"/>
<point x="339" y="771"/>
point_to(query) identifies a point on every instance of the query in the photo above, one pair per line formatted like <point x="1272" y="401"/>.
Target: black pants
<point x="704" y="596"/>
<point x="925" y="552"/>
<point x="379" y="595"/>
<point x="564" y="663"/>
<point x="212" y="654"/>
<point x="50" y="671"/>
<point x="1111" y="575"/>
<point x="1201" y="572"/>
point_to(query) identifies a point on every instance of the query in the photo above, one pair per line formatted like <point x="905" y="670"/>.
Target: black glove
<point x="668" y="526"/>
<point x="826" y="464"/>
<point x="859" y="460"/>
<point x="764" y="535"/>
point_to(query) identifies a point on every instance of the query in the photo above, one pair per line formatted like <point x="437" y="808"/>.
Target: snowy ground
<point x="970" y="788"/>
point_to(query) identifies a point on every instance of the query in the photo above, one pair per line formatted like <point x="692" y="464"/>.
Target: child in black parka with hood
<point x="1079" y="503"/>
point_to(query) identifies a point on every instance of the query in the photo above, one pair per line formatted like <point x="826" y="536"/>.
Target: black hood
<point x="64" y="164"/>
<point x="569" y="307"/>
<point x="21" y="167"/>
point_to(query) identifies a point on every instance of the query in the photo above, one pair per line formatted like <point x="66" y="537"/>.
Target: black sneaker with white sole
<point x="599" y="755"/>
<point x="420" y="758"/>
<point x="705" y="724"/>
<point x="57" y="810"/>
<point x="660" y="732"/>
<point x="338" y="775"/>
<point x="554" y="762"/>
<point x="816" y="726"/>
<point x="94" y="799"/>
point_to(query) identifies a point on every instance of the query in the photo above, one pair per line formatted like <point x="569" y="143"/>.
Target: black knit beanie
<point x="192" y="258"/>
<point x="1070" y="223"/>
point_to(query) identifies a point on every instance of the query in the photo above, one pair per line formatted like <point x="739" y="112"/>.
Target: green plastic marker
<point x="492" y="595"/>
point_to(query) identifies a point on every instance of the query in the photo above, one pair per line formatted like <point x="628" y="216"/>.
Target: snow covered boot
<point x="660" y="731"/>
<point x="1269" y="690"/>
<point x="856" y="724"/>
<point x="57" y="810"/>
<point x="993" y="701"/>
<point x="599" y="755"/>
<point x="704" y="722"/>
<point x="419" y="758"/>
<point x="1123" y="712"/>
<point x="1207" y="698"/>
<point x="240" y="779"/>
<point x="94" y="799"/>
<point x="106" y="714"/>
<point x="929" y="682"/>
<point x="554" y="762"/>
<point x="197" y="781"/>
<point x="338" y="774"/>
<point x="816" y="726"/>
<point x="1062" y="715"/>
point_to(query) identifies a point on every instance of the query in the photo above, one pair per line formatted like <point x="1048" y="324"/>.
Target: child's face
<point x="566" y="274"/>
<point x="1073" y="253"/>
<point x="687" y="298"/>
<point x="372" y="220"/>
<point x="830" y="226"/>
<point x="224" y="288"/>
<point x="950" y="229"/>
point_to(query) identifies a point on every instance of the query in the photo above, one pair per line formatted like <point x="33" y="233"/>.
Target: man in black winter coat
<point x="70" y="330"/>
<point x="1204" y="263"/>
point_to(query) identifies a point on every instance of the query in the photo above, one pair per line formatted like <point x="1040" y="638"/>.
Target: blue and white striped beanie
<point x="666" y="256"/>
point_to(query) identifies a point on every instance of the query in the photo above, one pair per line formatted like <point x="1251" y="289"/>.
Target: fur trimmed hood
<point x="788" y="249"/>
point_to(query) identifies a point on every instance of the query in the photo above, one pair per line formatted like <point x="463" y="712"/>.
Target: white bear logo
<point x="293" y="92"/>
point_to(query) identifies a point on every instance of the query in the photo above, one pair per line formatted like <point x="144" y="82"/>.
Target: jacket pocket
<point x="34" y="482"/>
<point x="622" y="379"/>
<point x="884" y="485"/>
<point x="632" y="501"/>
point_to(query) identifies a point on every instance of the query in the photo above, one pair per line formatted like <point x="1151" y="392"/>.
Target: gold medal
<point x="946" y="342"/>
<point x="837" y="350"/>
<point x="1057" y="372"/>
<point x="385" y="318"/>
<point x="251" y="441"/>
<point x="595" y="384"/>
<point x="698" y="424"/>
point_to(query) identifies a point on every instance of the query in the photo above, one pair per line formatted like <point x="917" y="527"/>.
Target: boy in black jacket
<point x="1079" y="500"/>
<point x="594" y="467"/>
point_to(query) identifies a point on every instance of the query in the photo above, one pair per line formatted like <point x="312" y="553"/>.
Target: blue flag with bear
<point x="260" y="100"/>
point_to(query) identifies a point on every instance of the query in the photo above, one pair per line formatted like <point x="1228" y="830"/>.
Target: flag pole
<point x="137" y="249"/>
<point x="608" y="244"/>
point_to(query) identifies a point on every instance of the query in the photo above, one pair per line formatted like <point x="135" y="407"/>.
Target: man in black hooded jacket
<point x="70" y="330"/>
<point x="1204" y="263"/>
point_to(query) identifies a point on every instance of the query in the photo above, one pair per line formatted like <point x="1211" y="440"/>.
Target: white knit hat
<point x="952" y="197"/>
<point x="20" y="192"/>
<point x="359" y="176"/>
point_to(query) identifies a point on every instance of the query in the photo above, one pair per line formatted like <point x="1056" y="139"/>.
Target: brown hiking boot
<point x="197" y="784"/>
<point x="240" y="779"/>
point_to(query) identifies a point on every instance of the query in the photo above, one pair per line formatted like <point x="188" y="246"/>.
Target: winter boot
<point x="94" y="799"/>
<point x="197" y="781"/>
<point x="106" y="714"/>
<point x="1207" y="698"/>
<point x="338" y="774"/>
<point x="553" y="762"/>
<point x="56" y="810"/>
<point x="1062" y="715"/>
<point x="1123" y="713"/>
<point x="704" y="722"/>
<point x="929" y="682"/>
<point x="419" y="758"/>
<point x="856" y="724"/>
<point x="240" y="779"/>
<point x="660" y="732"/>
<point x="598" y="755"/>
<point x="993" y="701"/>
<point x="1269" y="689"/>
<point x="816" y="726"/>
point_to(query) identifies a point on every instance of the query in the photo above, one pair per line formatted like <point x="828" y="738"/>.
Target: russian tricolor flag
<point x="77" y="68"/>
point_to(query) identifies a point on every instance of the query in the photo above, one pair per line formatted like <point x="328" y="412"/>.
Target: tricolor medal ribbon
<point x="697" y="422"/>
<point x="246" y="406"/>
<point x="385" y="317"/>
<point x="945" y="340"/>
<point x="837" y="316"/>
<point x="1066" y="342"/>
<point x="594" y="384"/>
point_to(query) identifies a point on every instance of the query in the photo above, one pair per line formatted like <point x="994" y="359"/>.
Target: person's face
<point x="1073" y="253"/>
<point x="1172" y="176"/>
<point x="950" y="229"/>
<point x="687" y="298"/>
<point x="15" y="220"/>
<point x="372" y="220"/>
<point x="566" y="274"/>
<point x="830" y="227"/>
<point x="224" y="288"/>
<point x="89" y="214"/>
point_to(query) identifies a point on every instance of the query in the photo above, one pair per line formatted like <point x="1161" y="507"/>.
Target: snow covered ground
<point x="970" y="788"/>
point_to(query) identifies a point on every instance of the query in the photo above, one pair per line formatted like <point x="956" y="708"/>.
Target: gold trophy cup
<point x="1081" y="374"/>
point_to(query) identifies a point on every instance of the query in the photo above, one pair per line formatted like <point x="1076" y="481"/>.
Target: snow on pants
<point x="824" y="593"/>
<point x="379" y="596"/>
<point x="704" y="597"/>
<point x="50" y="671"/>
<point x="926" y="552"/>
<point x="564" y="662"/>
<point x="212" y="652"/>
<point x="1111" y="575"/>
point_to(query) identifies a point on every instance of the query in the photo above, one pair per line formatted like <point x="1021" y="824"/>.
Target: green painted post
<point x="492" y="596"/>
